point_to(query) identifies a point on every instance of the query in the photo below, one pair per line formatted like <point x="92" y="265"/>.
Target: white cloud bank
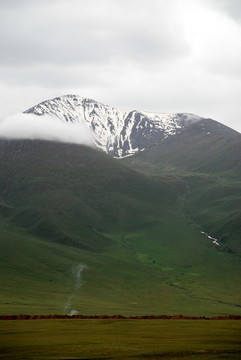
<point x="45" y="127"/>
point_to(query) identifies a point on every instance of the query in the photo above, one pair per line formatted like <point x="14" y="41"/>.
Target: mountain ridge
<point x="119" y="133"/>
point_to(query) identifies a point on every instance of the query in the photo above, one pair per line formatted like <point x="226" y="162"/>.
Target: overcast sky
<point x="152" y="55"/>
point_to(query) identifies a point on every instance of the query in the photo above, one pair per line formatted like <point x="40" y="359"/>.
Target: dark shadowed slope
<point x="67" y="192"/>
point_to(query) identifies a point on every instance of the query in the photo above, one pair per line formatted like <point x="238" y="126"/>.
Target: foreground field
<point x="120" y="339"/>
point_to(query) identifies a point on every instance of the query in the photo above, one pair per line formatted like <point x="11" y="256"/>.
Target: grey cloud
<point x="61" y="34"/>
<point x="58" y="76"/>
<point x="231" y="7"/>
<point x="155" y="44"/>
<point x="13" y="4"/>
<point x="85" y="43"/>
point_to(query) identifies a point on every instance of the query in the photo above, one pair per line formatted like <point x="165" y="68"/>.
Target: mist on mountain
<point x="28" y="126"/>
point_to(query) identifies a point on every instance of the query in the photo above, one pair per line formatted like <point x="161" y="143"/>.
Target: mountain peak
<point x="119" y="133"/>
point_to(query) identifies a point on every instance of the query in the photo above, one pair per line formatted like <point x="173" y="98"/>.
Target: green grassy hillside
<point x="207" y="162"/>
<point x="81" y="232"/>
<point x="200" y="148"/>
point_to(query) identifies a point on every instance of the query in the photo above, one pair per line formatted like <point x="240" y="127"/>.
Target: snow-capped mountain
<point x="119" y="133"/>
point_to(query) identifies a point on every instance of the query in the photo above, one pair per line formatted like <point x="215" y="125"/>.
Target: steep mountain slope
<point x="206" y="146"/>
<point x="207" y="160"/>
<point x="82" y="232"/>
<point x="73" y="190"/>
<point x="117" y="132"/>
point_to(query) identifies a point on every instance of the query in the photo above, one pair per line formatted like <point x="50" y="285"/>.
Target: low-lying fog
<point x="44" y="127"/>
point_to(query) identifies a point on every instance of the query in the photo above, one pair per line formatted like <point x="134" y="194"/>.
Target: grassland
<point x="130" y="277"/>
<point x="120" y="339"/>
